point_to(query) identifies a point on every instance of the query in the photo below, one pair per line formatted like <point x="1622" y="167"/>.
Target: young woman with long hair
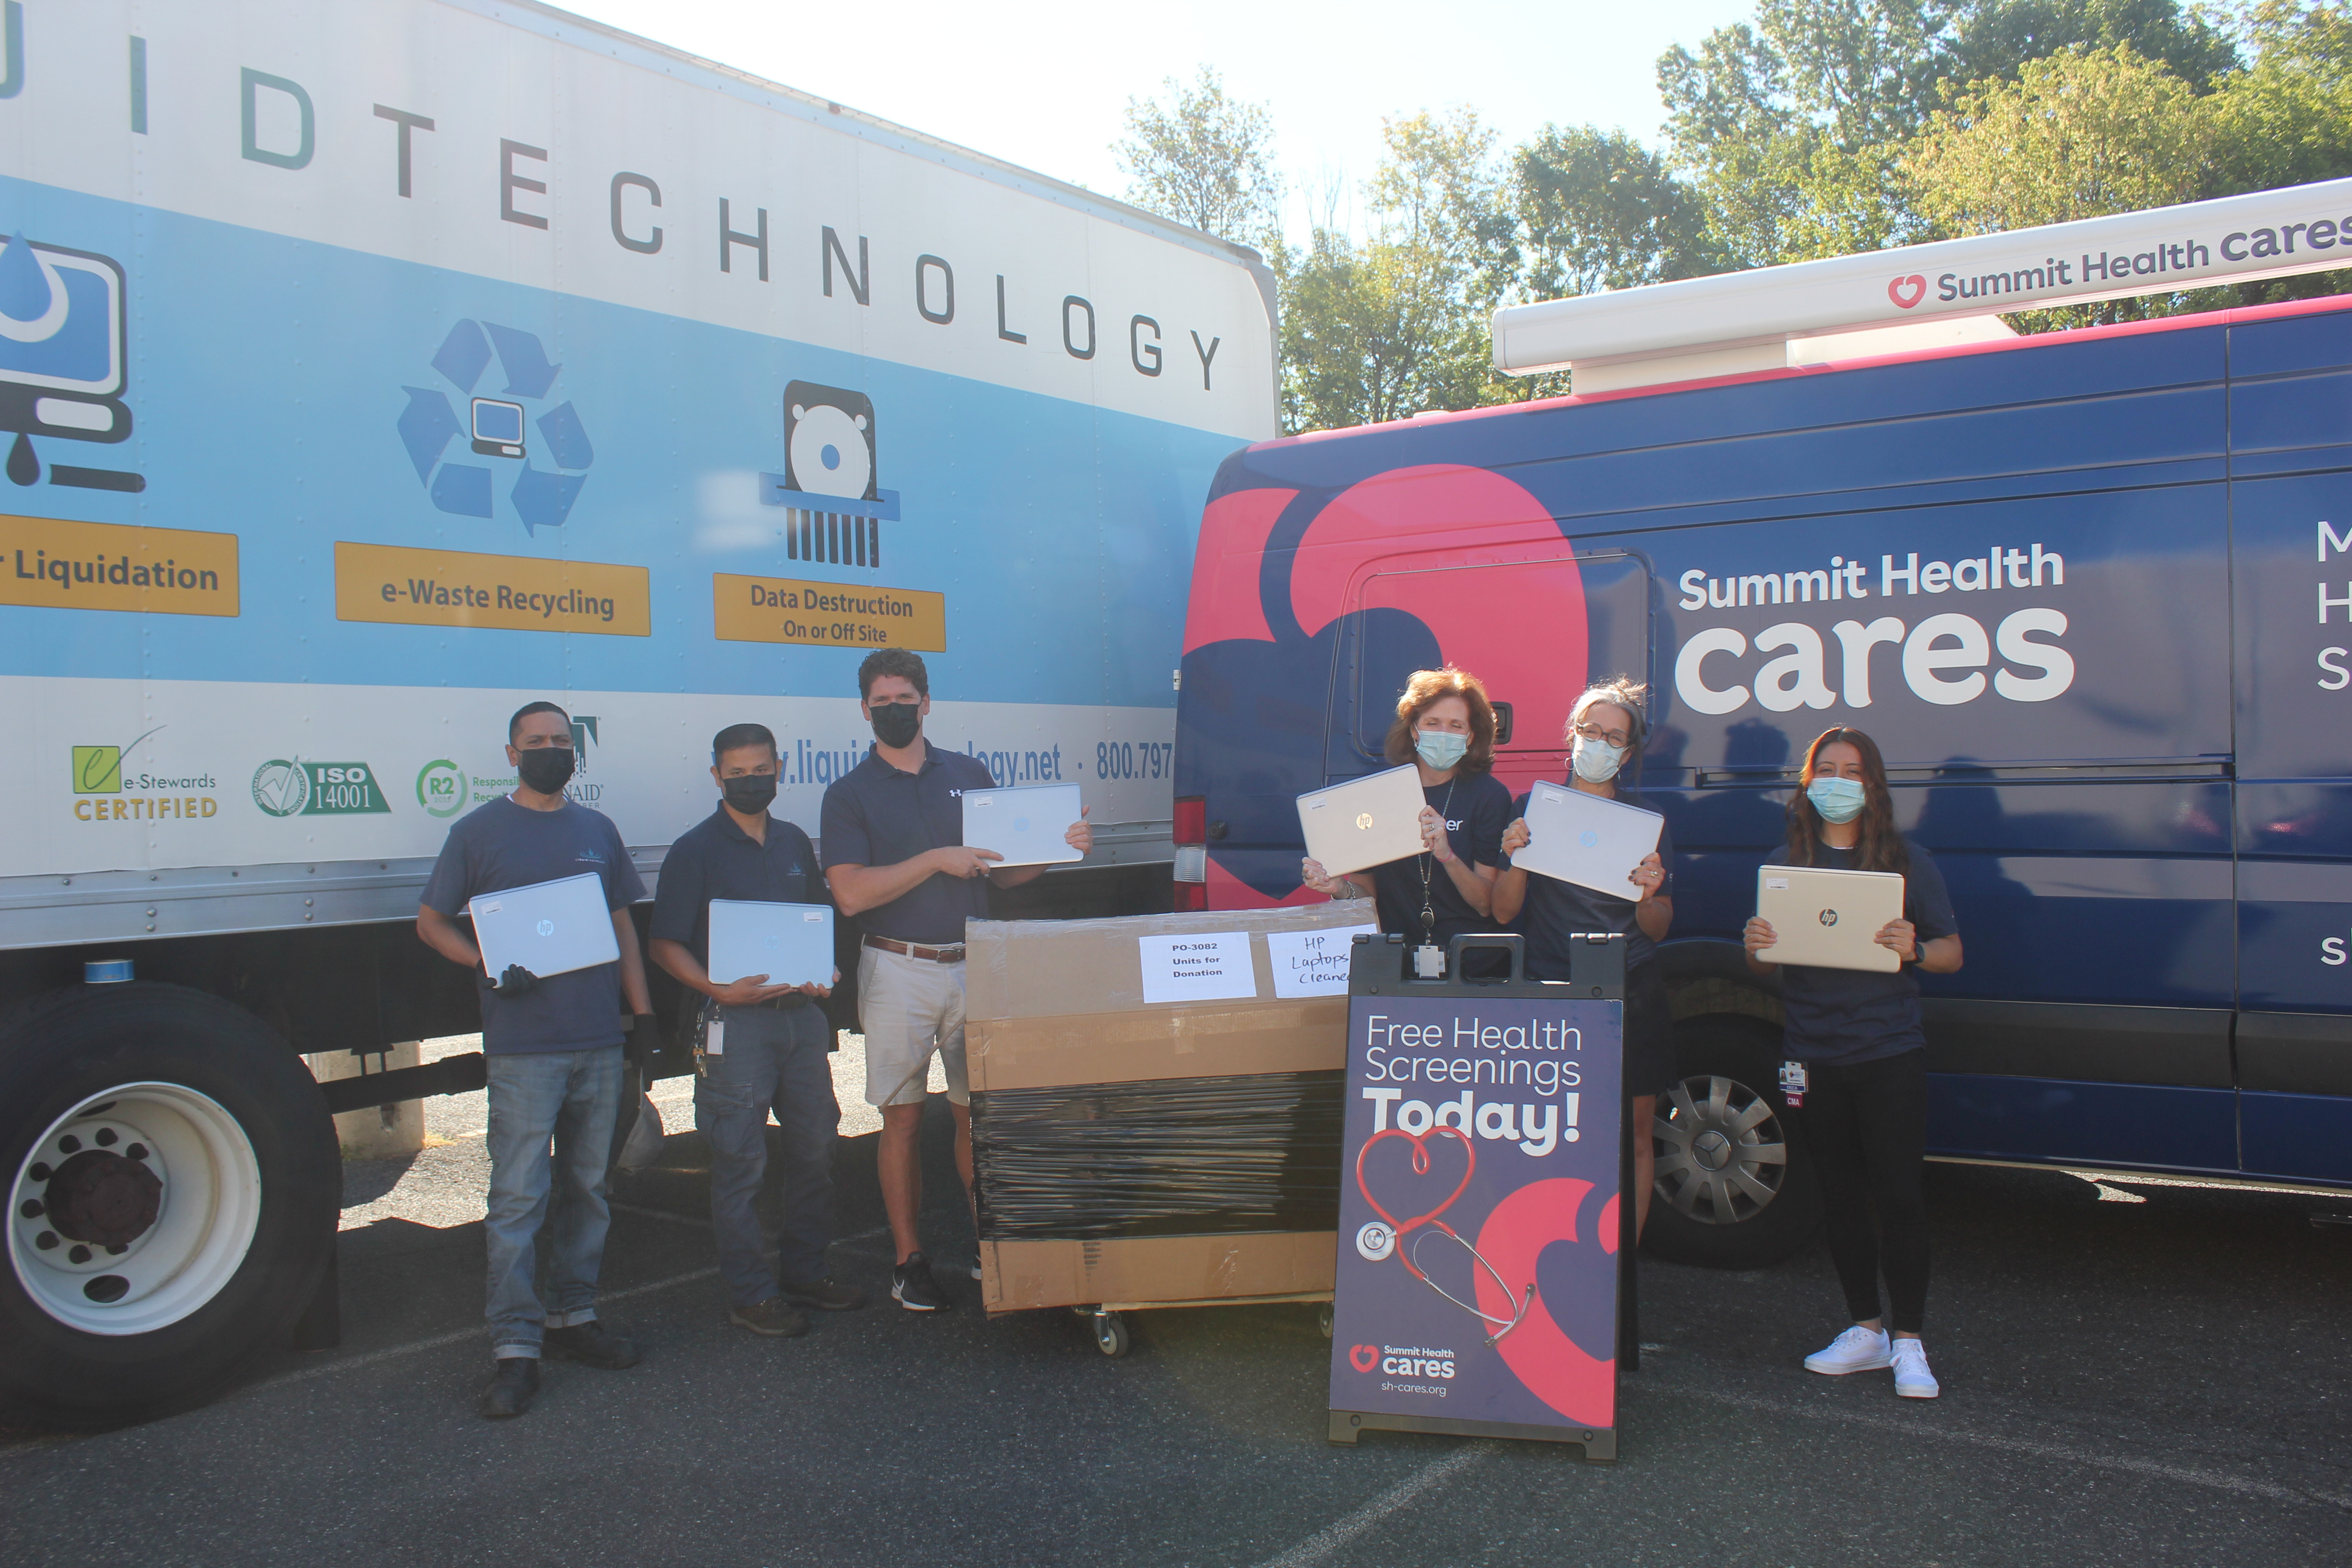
<point x="1863" y="1082"/>
<point x="1605" y="731"/>
<point x="1445" y="728"/>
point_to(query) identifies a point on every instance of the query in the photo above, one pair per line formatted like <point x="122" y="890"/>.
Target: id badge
<point x="1792" y="1084"/>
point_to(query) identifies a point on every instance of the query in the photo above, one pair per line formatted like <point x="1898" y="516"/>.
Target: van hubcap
<point x="1722" y="1152"/>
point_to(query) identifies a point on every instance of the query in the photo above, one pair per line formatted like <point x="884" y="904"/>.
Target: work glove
<point x="515" y="982"/>
<point x="643" y="1046"/>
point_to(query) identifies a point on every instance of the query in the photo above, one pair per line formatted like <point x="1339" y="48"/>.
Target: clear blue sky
<point x="1045" y="83"/>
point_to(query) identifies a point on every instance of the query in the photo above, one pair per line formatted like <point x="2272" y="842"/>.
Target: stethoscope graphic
<point x="1376" y="1241"/>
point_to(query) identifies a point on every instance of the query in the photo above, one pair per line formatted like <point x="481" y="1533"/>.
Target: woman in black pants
<point x="1859" y="1059"/>
<point x="1605" y="730"/>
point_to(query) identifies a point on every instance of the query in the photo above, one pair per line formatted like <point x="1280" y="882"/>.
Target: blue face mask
<point x="1440" y="749"/>
<point x="1838" y="800"/>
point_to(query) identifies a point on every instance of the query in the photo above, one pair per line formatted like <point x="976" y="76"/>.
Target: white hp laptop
<point x="548" y="928"/>
<point x="1369" y="821"/>
<point x="1588" y="839"/>
<point x="1028" y="825"/>
<point x="1829" y="919"/>
<point x="791" y="944"/>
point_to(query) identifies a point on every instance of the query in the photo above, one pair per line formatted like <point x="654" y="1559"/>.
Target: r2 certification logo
<point x="441" y="788"/>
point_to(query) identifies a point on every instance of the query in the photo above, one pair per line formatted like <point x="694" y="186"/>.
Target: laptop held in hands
<point x="548" y="928"/>
<point x="791" y="944"/>
<point x="1027" y="824"/>
<point x="1588" y="839"/>
<point x="1829" y="919"/>
<point x="1369" y="821"/>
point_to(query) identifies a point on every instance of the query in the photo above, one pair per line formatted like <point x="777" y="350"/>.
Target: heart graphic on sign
<point x="1420" y="1165"/>
<point x="1539" y="1353"/>
<point x="1907" y="291"/>
<point x="1363" y="1358"/>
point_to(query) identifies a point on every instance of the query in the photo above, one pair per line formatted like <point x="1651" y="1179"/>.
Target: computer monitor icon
<point x="62" y="360"/>
<point x="497" y="428"/>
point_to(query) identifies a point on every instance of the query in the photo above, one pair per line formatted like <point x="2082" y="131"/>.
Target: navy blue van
<point x="2091" y="593"/>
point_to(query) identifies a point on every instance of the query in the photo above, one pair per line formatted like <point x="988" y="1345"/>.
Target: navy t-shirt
<point x="501" y="846"/>
<point x="715" y="858"/>
<point x="1843" y="1016"/>
<point x="876" y="814"/>
<point x="1479" y="810"/>
<point x="1553" y="908"/>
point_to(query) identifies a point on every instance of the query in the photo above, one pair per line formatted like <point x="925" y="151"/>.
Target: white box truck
<point x="367" y="370"/>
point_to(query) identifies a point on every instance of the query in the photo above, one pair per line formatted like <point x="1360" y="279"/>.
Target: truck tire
<point x="1734" y="1191"/>
<point x="174" y="1188"/>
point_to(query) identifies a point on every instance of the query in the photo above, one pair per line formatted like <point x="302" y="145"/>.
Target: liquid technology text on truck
<point x="369" y="370"/>
<point x="2091" y="593"/>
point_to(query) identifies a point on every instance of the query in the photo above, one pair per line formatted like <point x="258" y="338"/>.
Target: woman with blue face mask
<point x="1605" y="730"/>
<point x="1858" y="1060"/>
<point x="1445" y="728"/>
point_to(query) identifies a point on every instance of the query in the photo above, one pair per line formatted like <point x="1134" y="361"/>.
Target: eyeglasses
<point x="1617" y="738"/>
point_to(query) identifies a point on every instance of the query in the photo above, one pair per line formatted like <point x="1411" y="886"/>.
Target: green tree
<point x="1595" y="209"/>
<point x="1998" y="37"/>
<point x="1385" y="326"/>
<point x="1786" y="128"/>
<point x="1205" y="159"/>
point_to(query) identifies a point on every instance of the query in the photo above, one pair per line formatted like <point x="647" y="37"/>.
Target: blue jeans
<point x="773" y="1060"/>
<point x="568" y="1099"/>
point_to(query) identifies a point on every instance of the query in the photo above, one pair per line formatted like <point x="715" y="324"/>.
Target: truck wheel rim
<point x="134" y="1209"/>
<point x="1722" y="1152"/>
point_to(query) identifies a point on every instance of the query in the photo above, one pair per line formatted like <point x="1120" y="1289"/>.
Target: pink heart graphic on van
<point x="1907" y="291"/>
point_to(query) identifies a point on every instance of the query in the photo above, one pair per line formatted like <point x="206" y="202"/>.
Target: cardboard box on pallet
<point x="1057" y="1002"/>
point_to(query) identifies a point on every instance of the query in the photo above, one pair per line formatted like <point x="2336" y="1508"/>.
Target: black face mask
<point x="750" y="793"/>
<point x="895" y="724"/>
<point x="546" y="769"/>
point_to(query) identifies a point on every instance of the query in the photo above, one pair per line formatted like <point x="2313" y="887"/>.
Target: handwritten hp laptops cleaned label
<point x="1369" y="821"/>
<point x="791" y="944"/>
<point x="1828" y="919"/>
<point x="1026" y="824"/>
<point x="1588" y="839"/>
<point x="548" y="928"/>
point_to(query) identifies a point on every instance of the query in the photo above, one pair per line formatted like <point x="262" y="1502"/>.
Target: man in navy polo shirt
<point x="894" y="853"/>
<point x="553" y="1045"/>
<point x="770" y="1049"/>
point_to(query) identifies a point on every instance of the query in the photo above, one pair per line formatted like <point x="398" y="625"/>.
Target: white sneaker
<point x="1912" y="1378"/>
<point x="1856" y="1350"/>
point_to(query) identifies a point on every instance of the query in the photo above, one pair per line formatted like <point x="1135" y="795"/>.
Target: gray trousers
<point x="774" y="1060"/>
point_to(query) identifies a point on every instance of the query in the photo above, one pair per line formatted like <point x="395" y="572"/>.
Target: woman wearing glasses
<point x="1605" y="730"/>
<point x="1859" y="1059"/>
<point x="1445" y="728"/>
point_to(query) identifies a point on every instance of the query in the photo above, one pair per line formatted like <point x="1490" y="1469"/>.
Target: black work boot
<point x="509" y="1390"/>
<point x="771" y="1319"/>
<point x="589" y="1345"/>
<point x="825" y="1296"/>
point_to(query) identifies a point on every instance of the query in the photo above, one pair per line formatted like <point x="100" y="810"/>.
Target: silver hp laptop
<point x="1026" y="826"/>
<point x="1369" y="821"/>
<point x="1588" y="839"/>
<point x="1828" y="919"/>
<point x="548" y="928"/>
<point x="791" y="944"/>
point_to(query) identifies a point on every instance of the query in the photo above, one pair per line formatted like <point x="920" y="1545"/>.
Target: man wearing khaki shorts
<point x="895" y="856"/>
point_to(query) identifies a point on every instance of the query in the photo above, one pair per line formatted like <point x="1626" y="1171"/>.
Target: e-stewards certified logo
<point x="441" y="788"/>
<point x="290" y="787"/>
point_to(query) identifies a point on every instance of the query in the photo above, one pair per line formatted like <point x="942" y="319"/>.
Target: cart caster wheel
<point x="1323" y="1319"/>
<point x="1111" y="1336"/>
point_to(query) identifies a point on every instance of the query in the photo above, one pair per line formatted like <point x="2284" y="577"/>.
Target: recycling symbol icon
<point x="511" y="426"/>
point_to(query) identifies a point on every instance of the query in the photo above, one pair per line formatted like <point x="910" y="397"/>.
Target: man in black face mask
<point x="553" y="1045"/>
<point x="773" y="1042"/>
<point x="895" y="854"/>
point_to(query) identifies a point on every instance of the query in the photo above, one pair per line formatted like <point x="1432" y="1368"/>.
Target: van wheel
<point x="1733" y="1189"/>
<point x="173" y="1187"/>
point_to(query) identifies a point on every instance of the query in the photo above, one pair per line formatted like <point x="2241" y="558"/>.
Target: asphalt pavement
<point x="2133" y="1373"/>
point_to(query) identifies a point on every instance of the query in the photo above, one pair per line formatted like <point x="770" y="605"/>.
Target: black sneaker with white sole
<point x="912" y="1287"/>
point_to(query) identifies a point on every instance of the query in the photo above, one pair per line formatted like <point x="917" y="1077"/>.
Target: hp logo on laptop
<point x="1363" y="820"/>
<point x="1829" y="917"/>
<point x="547" y="928"/>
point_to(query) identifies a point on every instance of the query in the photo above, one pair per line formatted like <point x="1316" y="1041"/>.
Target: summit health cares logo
<point x="1907" y="291"/>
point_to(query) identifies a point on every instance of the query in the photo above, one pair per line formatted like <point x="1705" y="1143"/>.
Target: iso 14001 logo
<point x="286" y="787"/>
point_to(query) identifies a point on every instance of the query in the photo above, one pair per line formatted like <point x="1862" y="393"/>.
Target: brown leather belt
<point x="917" y="949"/>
